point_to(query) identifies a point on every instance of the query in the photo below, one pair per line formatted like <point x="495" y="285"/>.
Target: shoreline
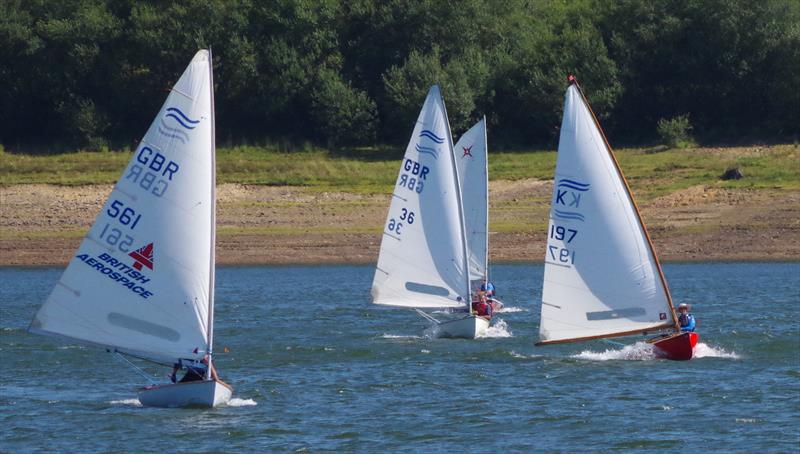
<point x="42" y="225"/>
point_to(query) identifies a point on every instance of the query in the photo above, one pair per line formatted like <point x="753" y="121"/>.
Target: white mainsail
<point x="601" y="277"/>
<point x="141" y="281"/>
<point x="473" y="173"/>
<point x="422" y="261"/>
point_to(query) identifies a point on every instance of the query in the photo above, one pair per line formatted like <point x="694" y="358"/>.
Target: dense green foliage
<point x="92" y="73"/>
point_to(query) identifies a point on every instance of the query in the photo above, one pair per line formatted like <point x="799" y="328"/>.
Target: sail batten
<point x="422" y="255"/>
<point x="602" y="278"/>
<point x="140" y="281"/>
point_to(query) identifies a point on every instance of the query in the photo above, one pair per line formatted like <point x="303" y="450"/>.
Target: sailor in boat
<point x="195" y="371"/>
<point x="481" y="307"/>
<point x="488" y="288"/>
<point x="685" y="319"/>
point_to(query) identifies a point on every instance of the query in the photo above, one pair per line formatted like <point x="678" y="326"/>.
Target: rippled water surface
<point x="318" y="368"/>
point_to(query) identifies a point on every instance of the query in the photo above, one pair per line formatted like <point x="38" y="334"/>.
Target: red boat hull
<point x="677" y="347"/>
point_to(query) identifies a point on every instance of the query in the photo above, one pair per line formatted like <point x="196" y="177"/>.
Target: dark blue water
<point x="318" y="368"/>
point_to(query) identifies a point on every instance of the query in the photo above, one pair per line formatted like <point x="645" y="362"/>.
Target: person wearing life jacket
<point x="488" y="288"/>
<point x="482" y="308"/>
<point x="195" y="371"/>
<point x="685" y="319"/>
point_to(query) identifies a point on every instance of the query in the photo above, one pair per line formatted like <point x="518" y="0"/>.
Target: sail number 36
<point x="396" y="225"/>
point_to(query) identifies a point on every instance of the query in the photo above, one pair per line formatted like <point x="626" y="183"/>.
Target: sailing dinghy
<point x="473" y="176"/>
<point x="423" y="256"/>
<point x="602" y="277"/>
<point x="141" y="283"/>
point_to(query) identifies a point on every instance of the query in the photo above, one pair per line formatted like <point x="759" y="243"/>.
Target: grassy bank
<point x="373" y="171"/>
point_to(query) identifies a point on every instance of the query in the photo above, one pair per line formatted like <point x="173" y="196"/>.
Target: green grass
<point x="373" y="170"/>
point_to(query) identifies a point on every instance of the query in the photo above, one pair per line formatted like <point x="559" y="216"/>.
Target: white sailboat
<point x="141" y="283"/>
<point x="423" y="256"/>
<point x="472" y="158"/>
<point x="602" y="277"/>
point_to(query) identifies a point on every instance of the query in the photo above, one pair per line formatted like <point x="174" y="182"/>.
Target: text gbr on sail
<point x="152" y="172"/>
<point x="412" y="176"/>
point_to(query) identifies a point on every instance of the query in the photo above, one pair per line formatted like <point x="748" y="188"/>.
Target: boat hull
<point x="201" y="393"/>
<point x="469" y="327"/>
<point x="677" y="347"/>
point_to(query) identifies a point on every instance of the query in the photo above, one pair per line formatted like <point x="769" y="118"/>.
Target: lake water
<point x="316" y="367"/>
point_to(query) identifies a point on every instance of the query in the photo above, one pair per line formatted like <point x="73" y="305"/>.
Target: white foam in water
<point x="702" y="350"/>
<point x="399" y="336"/>
<point x="508" y="310"/>
<point x="127" y="402"/>
<point x="498" y="329"/>
<point x="521" y="356"/>
<point x="236" y="402"/>
<point x="640" y="351"/>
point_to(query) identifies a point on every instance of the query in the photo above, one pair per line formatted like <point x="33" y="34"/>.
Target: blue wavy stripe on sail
<point x="172" y="115"/>
<point x="183" y="115"/>
<point x="428" y="150"/>
<point x="166" y="130"/>
<point x="431" y="135"/>
<point x="568" y="215"/>
<point x="171" y="136"/>
<point x="572" y="184"/>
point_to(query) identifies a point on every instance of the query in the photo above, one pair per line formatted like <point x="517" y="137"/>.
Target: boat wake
<point x="127" y="402"/>
<point x="510" y="309"/>
<point x="642" y="351"/>
<point x="498" y="330"/>
<point x="236" y="402"/>
<point x="400" y="337"/>
<point x="702" y="350"/>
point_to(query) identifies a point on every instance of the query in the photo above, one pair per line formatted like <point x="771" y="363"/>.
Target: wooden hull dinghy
<point x="602" y="276"/>
<point x="678" y="347"/>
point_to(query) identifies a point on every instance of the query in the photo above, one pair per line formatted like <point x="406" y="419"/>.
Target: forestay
<point x="140" y="280"/>
<point x="472" y="160"/>
<point x="422" y="257"/>
<point x="601" y="278"/>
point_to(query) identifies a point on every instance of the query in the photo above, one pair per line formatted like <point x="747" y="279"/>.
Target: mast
<point x="486" y="227"/>
<point x="676" y="326"/>
<point x="468" y="294"/>
<point x="212" y="268"/>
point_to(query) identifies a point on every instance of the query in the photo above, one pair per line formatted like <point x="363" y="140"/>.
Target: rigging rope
<point x="135" y="367"/>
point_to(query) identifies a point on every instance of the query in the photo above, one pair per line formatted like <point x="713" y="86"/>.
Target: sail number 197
<point x="558" y="232"/>
<point x="562" y="254"/>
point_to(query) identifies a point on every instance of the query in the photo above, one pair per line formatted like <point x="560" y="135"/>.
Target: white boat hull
<point x="469" y="327"/>
<point x="201" y="393"/>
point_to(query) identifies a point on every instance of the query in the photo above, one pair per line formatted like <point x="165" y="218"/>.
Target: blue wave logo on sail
<point x="428" y="150"/>
<point x="568" y="215"/>
<point x="181" y="118"/>
<point x="430" y="134"/>
<point x="172" y="133"/>
<point x="574" y="185"/>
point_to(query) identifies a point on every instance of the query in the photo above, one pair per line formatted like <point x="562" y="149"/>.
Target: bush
<point x="675" y="131"/>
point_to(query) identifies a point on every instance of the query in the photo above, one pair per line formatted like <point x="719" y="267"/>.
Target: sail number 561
<point x="125" y="215"/>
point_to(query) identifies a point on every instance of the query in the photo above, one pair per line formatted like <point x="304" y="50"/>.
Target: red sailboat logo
<point x="143" y="256"/>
